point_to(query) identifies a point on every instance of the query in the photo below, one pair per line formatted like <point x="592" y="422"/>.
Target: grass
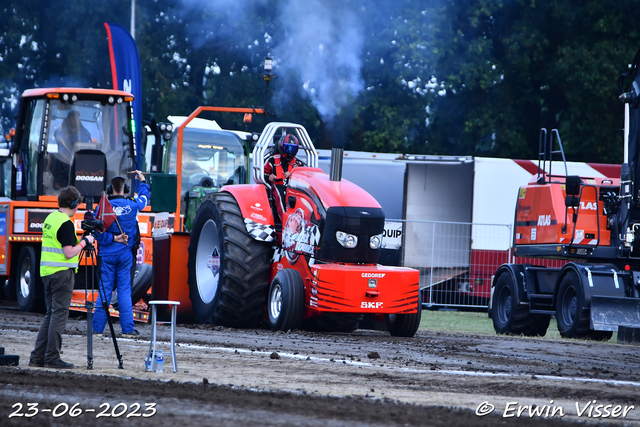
<point x="475" y="323"/>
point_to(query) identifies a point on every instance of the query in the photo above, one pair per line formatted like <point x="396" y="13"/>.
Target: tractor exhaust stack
<point x="336" y="164"/>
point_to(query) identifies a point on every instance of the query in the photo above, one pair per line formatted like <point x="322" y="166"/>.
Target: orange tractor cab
<point x="310" y="262"/>
<point x="63" y="136"/>
<point x="591" y="223"/>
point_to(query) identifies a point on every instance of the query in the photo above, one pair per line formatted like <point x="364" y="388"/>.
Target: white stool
<point x="152" y="345"/>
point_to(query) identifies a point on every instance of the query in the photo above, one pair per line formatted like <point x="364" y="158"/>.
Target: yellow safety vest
<point x="52" y="258"/>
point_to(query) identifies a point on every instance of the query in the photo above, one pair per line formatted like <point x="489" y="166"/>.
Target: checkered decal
<point x="314" y="238"/>
<point x="261" y="232"/>
<point x="278" y="254"/>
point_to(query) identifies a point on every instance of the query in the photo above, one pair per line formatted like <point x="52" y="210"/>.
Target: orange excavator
<point x="593" y="224"/>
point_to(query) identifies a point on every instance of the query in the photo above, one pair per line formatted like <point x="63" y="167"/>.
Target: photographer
<point x="115" y="253"/>
<point x="58" y="265"/>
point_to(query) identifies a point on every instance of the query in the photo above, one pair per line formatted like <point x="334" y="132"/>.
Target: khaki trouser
<point x="58" y="289"/>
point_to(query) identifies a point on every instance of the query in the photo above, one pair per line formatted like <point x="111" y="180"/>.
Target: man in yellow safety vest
<point x="58" y="265"/>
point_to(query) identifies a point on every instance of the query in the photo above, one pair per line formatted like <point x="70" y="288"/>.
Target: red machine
<point x="314" y="266"/>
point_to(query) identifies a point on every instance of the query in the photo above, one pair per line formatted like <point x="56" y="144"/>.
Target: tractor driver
<point x="67" y="135"/>
<point x="278" y="168"/>
<point x="71" y="132"/>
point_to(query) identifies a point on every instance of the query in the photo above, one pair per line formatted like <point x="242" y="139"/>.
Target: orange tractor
<point x="64" y="136"/>
<point x="593" y="224"/>
<point x="312" y="265"/>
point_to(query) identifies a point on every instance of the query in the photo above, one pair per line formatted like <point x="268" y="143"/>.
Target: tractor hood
<point x="315" y="182"/>
<point x="345" y="208"/>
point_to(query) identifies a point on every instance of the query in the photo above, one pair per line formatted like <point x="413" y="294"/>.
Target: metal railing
<point x="456" y="260"/>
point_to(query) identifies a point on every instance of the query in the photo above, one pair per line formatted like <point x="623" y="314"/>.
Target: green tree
<point x="464" y="77"/>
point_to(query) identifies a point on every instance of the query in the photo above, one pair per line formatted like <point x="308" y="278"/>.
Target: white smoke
<point x="316" y="46"/>
<point x="321" y="52"/>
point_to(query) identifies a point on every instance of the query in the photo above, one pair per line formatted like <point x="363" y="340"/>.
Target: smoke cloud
<point x="316" y="45"/>
<point x="321" y="52"/>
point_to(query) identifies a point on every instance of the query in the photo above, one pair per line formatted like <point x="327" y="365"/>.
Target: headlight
<point x="347" y="240"/>
<point x="375" y="241"/>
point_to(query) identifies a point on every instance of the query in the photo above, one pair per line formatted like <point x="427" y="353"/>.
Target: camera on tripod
<point x="90" y="224"/>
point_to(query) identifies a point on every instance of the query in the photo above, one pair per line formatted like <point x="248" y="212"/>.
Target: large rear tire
<point x="29" y="287"/>
<point x="572" y="316"/>
<point x="228" y="269"/>
<point x="511" y="318"/>
<point x="404" y="325"/>
<point x="286" y="301"/>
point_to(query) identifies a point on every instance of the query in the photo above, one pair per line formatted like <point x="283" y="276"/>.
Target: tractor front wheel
<point x="404" y="325"/>
<point x="228" y="269"/>
<point x="286" y="301"/>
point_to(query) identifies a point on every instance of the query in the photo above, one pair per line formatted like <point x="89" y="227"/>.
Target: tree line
<point x="452" y="77"/>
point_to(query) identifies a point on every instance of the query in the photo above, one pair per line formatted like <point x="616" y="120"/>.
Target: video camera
<point x="90" y="224"/>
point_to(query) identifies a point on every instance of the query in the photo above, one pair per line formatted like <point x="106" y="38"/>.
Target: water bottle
<point x="159" y="362"/>
<point x="147" y="363"/>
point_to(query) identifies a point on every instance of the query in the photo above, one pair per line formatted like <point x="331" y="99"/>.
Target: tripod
<point x="89" y="253"/>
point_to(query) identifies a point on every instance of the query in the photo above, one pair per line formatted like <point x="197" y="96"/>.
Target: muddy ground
<point x="257" y="377"/>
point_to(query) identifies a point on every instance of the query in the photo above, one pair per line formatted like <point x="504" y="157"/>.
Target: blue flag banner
<point x="126" y="73"/>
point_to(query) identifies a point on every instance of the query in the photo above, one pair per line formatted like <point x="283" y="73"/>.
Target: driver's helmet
<point x="288" y="146"/>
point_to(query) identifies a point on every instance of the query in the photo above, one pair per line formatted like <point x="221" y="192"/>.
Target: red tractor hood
<point x="331" y="193"/>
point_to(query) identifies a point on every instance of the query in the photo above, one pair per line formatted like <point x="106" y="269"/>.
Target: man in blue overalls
<point x="114" y="249"/>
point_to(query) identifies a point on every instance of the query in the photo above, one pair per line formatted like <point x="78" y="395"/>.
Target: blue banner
<point x="126" y="73"/>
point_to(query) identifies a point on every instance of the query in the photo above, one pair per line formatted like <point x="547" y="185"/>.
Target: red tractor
<point x="312" y="263"/>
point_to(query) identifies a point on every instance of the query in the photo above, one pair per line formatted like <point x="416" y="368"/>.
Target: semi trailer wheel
<point x="571" y="314"/>
<point x="286" y="300"/>
<point x="512" y="318"/>
<point x="228" y="269"/>
<point x="404" y="325"/>
<point x="29" y="288"/>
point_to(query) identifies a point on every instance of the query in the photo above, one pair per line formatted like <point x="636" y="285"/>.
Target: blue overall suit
<point x="116" y="259"/>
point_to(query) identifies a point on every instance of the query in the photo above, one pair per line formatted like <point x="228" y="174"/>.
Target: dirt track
<point x="239" y="377"/>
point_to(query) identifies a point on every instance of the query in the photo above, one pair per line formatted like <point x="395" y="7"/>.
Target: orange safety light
<point x="53" y="95"/>
<point x="248" y="118"/>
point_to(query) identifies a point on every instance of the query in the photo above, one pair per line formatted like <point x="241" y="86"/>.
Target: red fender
<point x="255" y="208"/>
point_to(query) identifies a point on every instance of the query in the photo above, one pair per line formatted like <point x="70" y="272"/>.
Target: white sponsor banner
<point x="392" y="235"/>
<point x="160" y="225"/>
